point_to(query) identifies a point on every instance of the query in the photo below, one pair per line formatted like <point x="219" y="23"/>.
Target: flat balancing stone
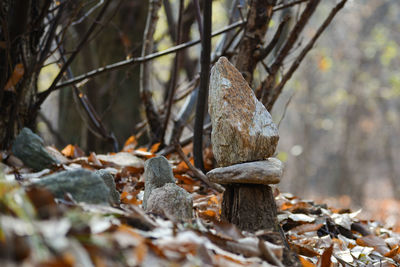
<point x="257" y="172"/>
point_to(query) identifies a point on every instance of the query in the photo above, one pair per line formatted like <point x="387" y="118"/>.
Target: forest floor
<point x="38" y="230"/>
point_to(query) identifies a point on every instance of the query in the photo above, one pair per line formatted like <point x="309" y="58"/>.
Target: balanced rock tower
<point x="244" y="139"/>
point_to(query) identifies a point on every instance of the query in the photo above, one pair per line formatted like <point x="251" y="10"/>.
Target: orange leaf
<point x="141" y="252"/>
<point x="213" y="200"/>
<point x="185" y="179"/>
<point x="208" y="214"/>
<point x="130" y="198"/>
<point x="306" y="263"/>
<point x="154" y="148"/>
<point x="393" y="252"/>
<point x="305" y="250"/>
<point x="326" y="257"/>
<point x="68" y="151"/>
<point x="93" y="158"/>
<point x="130" y="144"/>
<point x="15" y="77"/>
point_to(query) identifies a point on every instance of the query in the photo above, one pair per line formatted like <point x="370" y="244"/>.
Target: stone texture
<point x="29" y="148"/>
<point x="171" y="201"/>
<point x="242" y="129"/>
<point x="110" y="183"/>
<point x="83" y="185"/>
<point x="258" y="172"/>
<point x="157" y="173"/>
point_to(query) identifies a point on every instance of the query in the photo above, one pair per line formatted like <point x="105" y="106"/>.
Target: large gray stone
<point x="157" y="173"/>
<point x="242" y="129"/>
<point x="258" y="172"/>
<point x="110" y="183"/>
<point x="29" y="148"/>
<point x="83" y="185"/>
<point x="171" y="201"/>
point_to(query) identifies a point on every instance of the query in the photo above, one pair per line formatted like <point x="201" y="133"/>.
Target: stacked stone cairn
<point x="161" y="195"/>
<point x="244" y="139"/>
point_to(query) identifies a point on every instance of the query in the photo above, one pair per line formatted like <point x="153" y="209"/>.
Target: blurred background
<point x="338" y="117"/>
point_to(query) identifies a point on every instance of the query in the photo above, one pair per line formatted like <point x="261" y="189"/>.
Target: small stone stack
<point x="244" y="139"/>
<point x="161" y="195"/>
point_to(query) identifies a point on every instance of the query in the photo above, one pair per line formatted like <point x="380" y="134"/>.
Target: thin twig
<point x="285" y="108"/>
<point x="203" y="88"/>
<point x="265" y="52"/>
<point x="198" y="17"/>
<point x="171" y="148"/>
<point x="198" y="173"/>
<point x="278" y="89"/>
<point x="152" y="115"/>
<point x="86" y="15"/>
<point x="170" y="19"/>
<point x="283" y="6"/>
<point x="132" y="61"/>
<point x="54" y="132"/>
<point x="175" y="71"/>
<point x="268" y="255"/>
<point x="43" y="95"/>
<point x="267" y="85"/>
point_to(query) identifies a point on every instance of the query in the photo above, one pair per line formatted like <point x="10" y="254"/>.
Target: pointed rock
<point x="242" y="128"/>
<point x="29" y="148"/>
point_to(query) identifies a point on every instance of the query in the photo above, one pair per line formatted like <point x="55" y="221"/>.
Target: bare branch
<point x="152" y="115"/>
<point x="175" y="70"/>
<point x="132" y="61"/>
<point x="278" y="89"/>
<point x="265" y="52"/>
<point x="267" y="85"/>
<point x="42" y="96"/>
<point x="283" y="6"/>
<point x="198" y="173"/>
<point x="203" y="88"/>
<point x="254" y="33"/>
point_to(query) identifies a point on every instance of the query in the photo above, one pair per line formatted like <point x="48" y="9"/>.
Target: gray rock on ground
<point x="157" y="172"/>
<point x="257" y="172"/>
<point x="30" y="148"/>
<point x="171" y="201"/>
<point x="83" y="185"/>
<point x="242" y="128"/>
<point x="108" y="179"/>
<point x="161" y="194"/>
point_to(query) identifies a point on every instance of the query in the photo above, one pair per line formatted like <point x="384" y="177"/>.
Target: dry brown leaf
<point x="306" y="263"/>
<point x="15" y="78"/>
<point x="308" y="227"/>
<point x="373" y="241"/>
<point x="326" y="257"/>
<point x="154" y="148"/>
<point x="130" y="144"/>
<point x="185" y="179"/>
<point x="93" y="158"/>
<point x="68" y="151"/>
<point x="393" y="253"/>
<point x="304" y="250"/>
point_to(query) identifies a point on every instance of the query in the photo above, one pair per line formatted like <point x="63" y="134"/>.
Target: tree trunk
<point x="252" y="207"/>
<point x="16" y="101"/>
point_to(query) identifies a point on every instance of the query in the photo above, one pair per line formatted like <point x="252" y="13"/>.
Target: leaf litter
<point x="38" y="230"/>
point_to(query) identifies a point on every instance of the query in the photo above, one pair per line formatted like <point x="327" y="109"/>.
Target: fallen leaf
<point x="130" y="144"/>
<point x="15" y="78"/>
<point x="326" y="257"/>
<point x="306" y="263"/>
<point x="373" y="241"/>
